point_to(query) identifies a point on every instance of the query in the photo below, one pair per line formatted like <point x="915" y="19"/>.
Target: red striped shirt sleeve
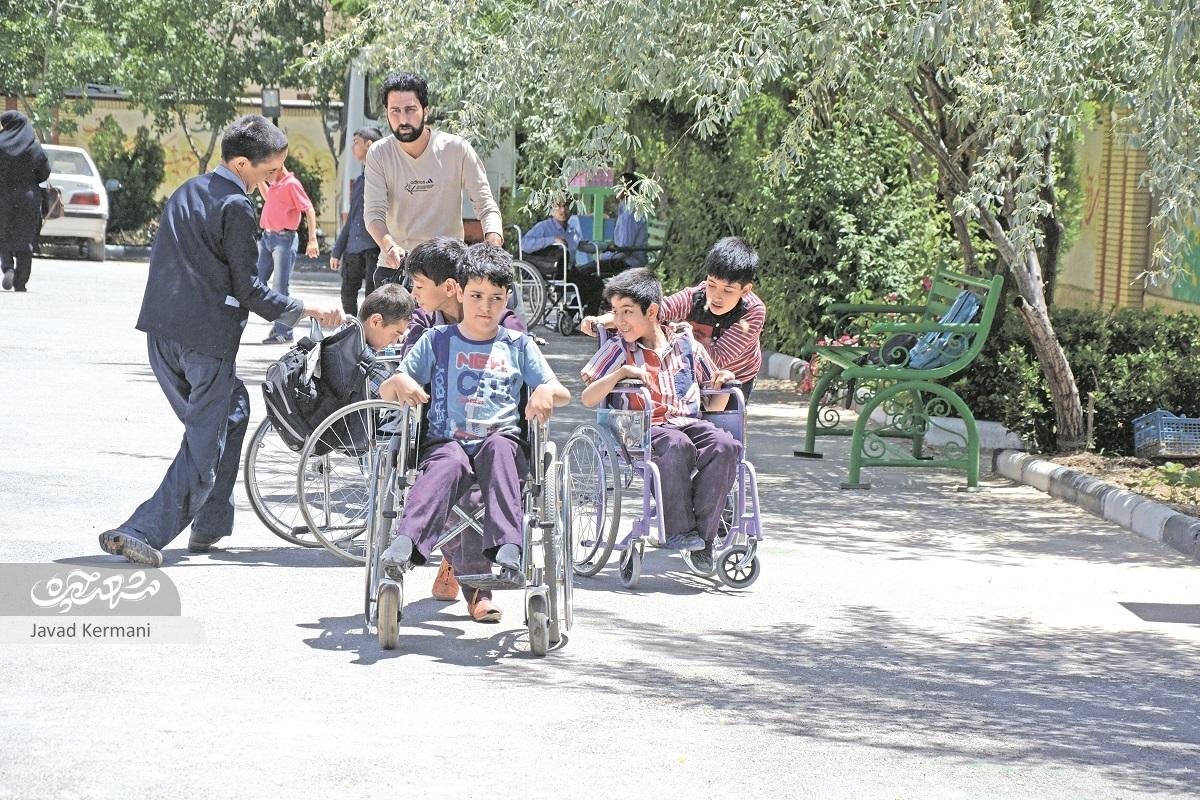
<point x="675" y="307"/>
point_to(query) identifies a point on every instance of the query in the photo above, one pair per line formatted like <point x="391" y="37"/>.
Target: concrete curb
<point x="783" y="367"/>
<point x="1145" y="517"/>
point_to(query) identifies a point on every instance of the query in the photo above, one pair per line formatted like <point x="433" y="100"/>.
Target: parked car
<point x="84" y="222"/>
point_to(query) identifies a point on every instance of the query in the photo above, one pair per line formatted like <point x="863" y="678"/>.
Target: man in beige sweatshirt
<point x="415" y="178"/>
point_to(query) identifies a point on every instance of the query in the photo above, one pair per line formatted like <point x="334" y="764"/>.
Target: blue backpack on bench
<point x="937" y="349"/>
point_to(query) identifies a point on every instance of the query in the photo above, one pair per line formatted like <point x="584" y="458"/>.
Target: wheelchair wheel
<point x="336" y="498"/>
<point x="530" y="288"/>
<point x="539" y="625"/>
<point x="631" y="565"/>
<point x="738" y="567"/>
<point x="568" y="322"/>
<point x="557" y="574"/>
<point x="269" y="475"/>
<point x="382" y="500"/>
<point x="590" y="494"/>
<point x="726" y="524"/>
<point x="390" y="606"/>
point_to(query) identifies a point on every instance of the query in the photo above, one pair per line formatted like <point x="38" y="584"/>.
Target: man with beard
<point x="415" y="179"/>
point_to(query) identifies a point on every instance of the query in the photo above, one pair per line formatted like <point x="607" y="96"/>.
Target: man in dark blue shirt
<point x="355" y="252"/>
<point x="202" y="286"/>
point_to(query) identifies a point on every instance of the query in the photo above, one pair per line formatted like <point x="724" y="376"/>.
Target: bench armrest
<point x="874" y="308"/>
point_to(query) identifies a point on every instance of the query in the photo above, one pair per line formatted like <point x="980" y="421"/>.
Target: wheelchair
<point x="562" y="308"/>
<point x="382" y="438"/>
<point x="602" y="461"/>
<point x="269" y="475"/>
<point x="529" y="288"/>
<point x="315" y="497"/>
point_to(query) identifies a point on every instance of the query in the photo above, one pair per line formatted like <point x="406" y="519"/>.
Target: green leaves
<point x="49" y="47"/>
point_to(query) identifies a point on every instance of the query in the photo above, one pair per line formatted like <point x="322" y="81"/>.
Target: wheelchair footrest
<point x="507" y="579"/>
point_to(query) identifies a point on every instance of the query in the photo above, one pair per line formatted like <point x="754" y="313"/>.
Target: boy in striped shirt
<point x="725" y="314"/>
<point x="672" y="366"/>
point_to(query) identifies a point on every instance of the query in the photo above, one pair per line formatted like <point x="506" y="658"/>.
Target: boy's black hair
<point x="628" y="180"/>
<point x="638" y="285"/>
<point x="391" y="301"/>
<point x="436" y="259"/>
<point x="492" y="264"/>
<point x="731" y="259"/>
<point x="369" y="134"/>
<point x="404" y="82"/>
<point x="253" y="137"/>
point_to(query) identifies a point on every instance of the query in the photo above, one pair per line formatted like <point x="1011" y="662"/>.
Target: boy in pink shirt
<point x="285" y="200"/>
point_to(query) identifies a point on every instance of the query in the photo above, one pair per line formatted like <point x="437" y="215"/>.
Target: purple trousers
<point x="445" y="475"/>
<point x="694" y="503"/>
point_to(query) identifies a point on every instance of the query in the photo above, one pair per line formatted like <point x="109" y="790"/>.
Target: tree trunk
<point x="963" y="233"/>
<point x="1070" y="434"/>
<point x="1026" y="271"/>
<point x="1052" y="234"/>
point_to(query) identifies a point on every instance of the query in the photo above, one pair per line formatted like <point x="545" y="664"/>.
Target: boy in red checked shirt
<point x="725" y="314"/>
<point x="697" y="461"/>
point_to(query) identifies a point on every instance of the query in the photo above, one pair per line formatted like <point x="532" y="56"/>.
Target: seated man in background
<point x="541" y="243"/>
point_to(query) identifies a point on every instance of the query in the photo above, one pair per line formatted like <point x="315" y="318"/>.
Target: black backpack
<point x="313" y="380"/>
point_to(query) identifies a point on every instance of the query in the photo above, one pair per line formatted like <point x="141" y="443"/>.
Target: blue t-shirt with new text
<point x="474" y="386"/>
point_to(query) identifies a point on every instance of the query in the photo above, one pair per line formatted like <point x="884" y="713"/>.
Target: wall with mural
<point x="302" y="125"/>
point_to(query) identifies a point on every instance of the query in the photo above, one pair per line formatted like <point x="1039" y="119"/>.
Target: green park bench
<point x="918" y="350"/>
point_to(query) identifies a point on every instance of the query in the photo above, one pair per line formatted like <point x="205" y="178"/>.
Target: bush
<point x="1131" y="362"/>
<point x="140" y="168"/>
<point x="858" y="220"/>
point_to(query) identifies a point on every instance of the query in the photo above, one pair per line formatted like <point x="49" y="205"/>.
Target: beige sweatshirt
<point x="420" y="198"/>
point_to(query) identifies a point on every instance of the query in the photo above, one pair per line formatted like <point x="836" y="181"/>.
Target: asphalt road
<point x="908" y="642"/>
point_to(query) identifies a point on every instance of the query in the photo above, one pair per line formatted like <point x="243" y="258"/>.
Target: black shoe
<point x="9" y="275"/>
<point x="199" y="545"/>
<point x="398" y="558"/>
<point x="702" y="559"/>
<point x="133" y="549"/>
<point x="509" y="557"/>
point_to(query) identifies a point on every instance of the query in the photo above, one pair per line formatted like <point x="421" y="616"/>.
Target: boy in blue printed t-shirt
<point x="476" y="372"/>
<point x="432" y="267"/>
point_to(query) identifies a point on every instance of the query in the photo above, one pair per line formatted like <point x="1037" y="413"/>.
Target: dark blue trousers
<point x="210" y="401"/>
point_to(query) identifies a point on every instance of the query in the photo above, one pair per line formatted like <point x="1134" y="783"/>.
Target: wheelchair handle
<point x="538" y="433"/>
<point x="517" y="238"/>
<point x="566" y="266"/>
